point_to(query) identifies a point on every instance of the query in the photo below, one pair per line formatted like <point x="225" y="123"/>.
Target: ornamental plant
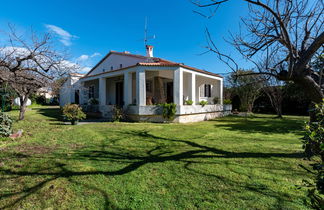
<point x="203" y="103"/>
<point x="5" y="125"/>
<point x="188" y="102"/>
<point x="227" y="101"/>
<point x="215" y="100"/>
<point x="169" y="111"/>
<point x="74" y="113"/>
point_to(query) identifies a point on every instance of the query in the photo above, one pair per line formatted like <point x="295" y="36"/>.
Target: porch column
<point x="221" y="91"/>
<point x="127" y="88"/>
<point x="193" y="88"/>
<point x="140" y="88"/>
<point x="178" y="87"/>
<point x="102" y="91"/>
<point x="82" y="93"/>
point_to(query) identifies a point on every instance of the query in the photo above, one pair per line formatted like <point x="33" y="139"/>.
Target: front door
<point x="77" y="97"/>
<point x="119" y="94"/>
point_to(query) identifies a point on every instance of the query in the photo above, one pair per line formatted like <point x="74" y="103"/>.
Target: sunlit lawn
<point x="228" y="163"/>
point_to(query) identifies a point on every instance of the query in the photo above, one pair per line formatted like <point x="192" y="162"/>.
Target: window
<point x="120" y="65"/>
<point x="149" y="86"/>
<point x="111" y="68"/>
<point x="91" y="91"/>
<point x="205" y="90"/>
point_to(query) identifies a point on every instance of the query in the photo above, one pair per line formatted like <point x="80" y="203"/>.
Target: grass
<point x="227" y="163"/>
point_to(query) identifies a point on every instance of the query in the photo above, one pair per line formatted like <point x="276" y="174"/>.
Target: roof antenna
<point x="146" y="38"/>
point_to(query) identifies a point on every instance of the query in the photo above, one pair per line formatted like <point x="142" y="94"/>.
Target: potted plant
<point x="188" y="102"/>
<point x="203" y="103"/>
<point x="216" y="100"/>
<point x="73" y="113"/>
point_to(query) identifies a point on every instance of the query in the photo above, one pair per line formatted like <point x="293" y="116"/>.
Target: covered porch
<point x="138" y="91"/>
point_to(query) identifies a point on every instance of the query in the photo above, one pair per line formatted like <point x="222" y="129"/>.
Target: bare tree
<point x="281" y="35"/>
<point x="29" y="63"/>
<point x="273" y="88"/>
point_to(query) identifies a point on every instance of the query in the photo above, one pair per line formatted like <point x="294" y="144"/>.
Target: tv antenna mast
<point x="146" y="37"/>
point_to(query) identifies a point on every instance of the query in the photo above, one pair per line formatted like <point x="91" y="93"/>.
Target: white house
<point x="138" y="83"/>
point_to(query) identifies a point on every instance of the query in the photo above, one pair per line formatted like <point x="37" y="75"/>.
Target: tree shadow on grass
<point x="267" y="125"/>
<point x="130" y="161"/>
<point x="53" y="112"/>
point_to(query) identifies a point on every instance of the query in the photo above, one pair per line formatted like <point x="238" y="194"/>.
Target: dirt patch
<point x="33" y="149"/>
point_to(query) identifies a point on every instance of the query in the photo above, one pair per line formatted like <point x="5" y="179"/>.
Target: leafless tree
<point x="283" y="35"/>
<point x="29" y="63"/>
<point x="274" y="89"/>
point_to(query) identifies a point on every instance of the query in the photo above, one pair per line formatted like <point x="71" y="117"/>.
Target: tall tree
<point x="285" y="35"/>
<point x="274" y="89"/>
<point x="28" y="63"/>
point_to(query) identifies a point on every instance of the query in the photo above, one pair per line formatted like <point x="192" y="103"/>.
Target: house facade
<point x="139" y="83"/>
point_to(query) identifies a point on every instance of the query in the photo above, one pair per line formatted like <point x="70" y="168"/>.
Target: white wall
<point x="115" y="60"/>
<point x="67" y="91"/>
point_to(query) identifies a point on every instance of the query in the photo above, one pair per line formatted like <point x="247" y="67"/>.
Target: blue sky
<point x="89" y="29"/>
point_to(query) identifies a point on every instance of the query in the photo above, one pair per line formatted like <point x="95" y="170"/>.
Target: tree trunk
<point x="23" y="106"/>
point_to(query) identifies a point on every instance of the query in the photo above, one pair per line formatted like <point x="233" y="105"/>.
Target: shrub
<point x="189" y="102"/>
<point x="203" y="103"/>
<point x="74" y="113"/>
<point x="93" y="101"/>
<point x="40" y="100"/>
<point x="5" y="125"/>
<point x="118" y="114"/>
<point x="215" y="100"/>
<point x="169" y="111"/>
<point x="313" y="143"/>
<point x="227" y="101"/>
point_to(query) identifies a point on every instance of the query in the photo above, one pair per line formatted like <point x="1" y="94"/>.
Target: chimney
<point x="149" y="51"/>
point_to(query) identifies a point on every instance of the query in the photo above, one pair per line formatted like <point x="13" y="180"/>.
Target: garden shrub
<point x="227" y="101"/>
<point x="118" y="114"/>
<point x="93" y="101"/>
<point x="313" y="143"/>
<point x="188" y="102"/>
<point x="5" y="125"/>
<point x="203" y="103"/>
<point x="74" y="113"/>
<point x="169" y="111"/>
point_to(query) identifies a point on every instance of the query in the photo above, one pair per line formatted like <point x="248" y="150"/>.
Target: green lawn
<point x="227" y="163"/>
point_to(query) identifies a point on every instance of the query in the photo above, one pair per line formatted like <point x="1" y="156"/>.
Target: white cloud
<point x="83" y="58"/>
<point x="65" y="37"/>
<point x="95" y="54"/>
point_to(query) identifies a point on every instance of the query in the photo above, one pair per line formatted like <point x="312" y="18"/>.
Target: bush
<point x="188" y="102"/>
<point x="118" y="114"/>
<point x="74" y="113"/>
<point x="313" y="143"/>
<point x="203" y="103"/>
<point x="169" y="111"/>
<point x="227" y="101"/>
<point x="215" y="100"/>
<point x="40" y="100"/>
<point x="5" y="125"/>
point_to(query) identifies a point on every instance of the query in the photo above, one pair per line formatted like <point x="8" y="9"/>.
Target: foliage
<point x="73" y="112"/>
<point x="5" y="125"/>
<point x="153" y="166"/>
<point x="188" y="102"/>
<point x="227" y="101"/>
<point x="203" y="103"/>
<point x="169" y="111"/>
<point x="314" y="146"/>
<point x="93" y="101"/>
<point x="215" y="100"/>
<point x="118" y="114"/>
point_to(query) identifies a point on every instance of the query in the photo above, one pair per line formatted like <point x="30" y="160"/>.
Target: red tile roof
<point x="154" y="61"/>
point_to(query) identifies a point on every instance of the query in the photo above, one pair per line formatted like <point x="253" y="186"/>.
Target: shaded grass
<point x="226" y="163"/>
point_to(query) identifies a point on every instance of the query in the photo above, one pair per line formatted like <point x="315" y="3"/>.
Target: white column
<point x="127" y="89"/>
<point x="140" y="88"/>
<point x="102" y="91"/>
<point x="193" y="88"/>
<point x="82" y="93"/>
<point x="221" y="91"/>
<point x="178" y="87"/>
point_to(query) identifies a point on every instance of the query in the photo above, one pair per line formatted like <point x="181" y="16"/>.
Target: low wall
<point x="184" y="114"/>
